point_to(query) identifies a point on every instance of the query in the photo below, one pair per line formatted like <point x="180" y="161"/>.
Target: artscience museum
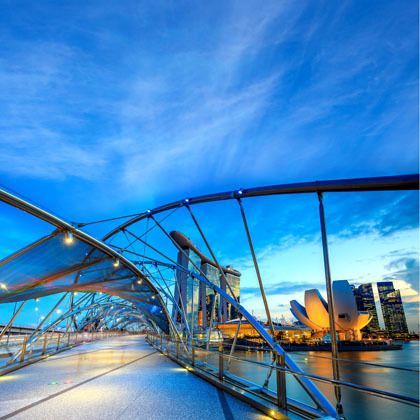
<point x="348" y="320"/>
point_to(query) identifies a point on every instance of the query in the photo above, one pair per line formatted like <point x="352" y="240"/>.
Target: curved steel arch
<point x="69" y="314"/>
<point x="65" y="227"/>
<point x="384" y="183"/>
<point x="390" y="183"/>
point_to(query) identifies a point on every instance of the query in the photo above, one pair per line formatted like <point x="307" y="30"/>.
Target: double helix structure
<point x="147" y="276"/>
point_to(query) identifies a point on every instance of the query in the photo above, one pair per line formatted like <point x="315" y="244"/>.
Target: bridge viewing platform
<point x="122" y="377"/>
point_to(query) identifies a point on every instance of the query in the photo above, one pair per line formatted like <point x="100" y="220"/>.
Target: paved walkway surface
<point x="121" y="378"/>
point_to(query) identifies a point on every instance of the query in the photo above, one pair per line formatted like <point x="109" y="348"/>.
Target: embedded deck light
<point x="68" y="238"/>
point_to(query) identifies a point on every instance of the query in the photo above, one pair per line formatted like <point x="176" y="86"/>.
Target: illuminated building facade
<point x="286" y="333"/>
<point x="187" y="289"/>
<point x="392" y="308"/>
<point x="234" y="281"/>
<point x="365" y="301"/>
<point x="198" y="299"/>
<point x="209" y="300"/>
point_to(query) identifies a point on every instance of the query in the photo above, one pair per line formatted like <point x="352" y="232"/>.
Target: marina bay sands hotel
<point x="200" y="301"/>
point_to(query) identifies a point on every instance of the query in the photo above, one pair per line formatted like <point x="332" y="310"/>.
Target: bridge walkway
<point x="118" y="378"/>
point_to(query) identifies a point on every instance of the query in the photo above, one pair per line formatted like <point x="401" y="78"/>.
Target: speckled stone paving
<point x="121" y="378"/>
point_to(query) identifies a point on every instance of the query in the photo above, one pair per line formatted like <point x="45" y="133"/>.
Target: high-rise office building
<point x="187" y="289"/>
<point x="365" y="301"/>
<point x="392" y="308"/>
<point x="199" y="300"/>
<point x="209" y="300"/>
<point x="234" y="281"/>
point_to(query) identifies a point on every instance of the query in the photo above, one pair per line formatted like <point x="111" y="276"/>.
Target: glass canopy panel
<point x="41" y="263"/>
<point x="55" y="264"/>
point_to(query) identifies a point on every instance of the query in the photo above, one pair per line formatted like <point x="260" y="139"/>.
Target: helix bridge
<point x="127" y="282"/>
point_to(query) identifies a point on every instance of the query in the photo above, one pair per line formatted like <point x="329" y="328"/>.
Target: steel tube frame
<point x="331" y="311"/>
<point x="30" y="337"/>
<point x="197" y="225"/>
<point x="321" y="401"/>
<point x="68" y="227"/>
<point x="407" y="182"/>
<point x="154" y="260"/>
<point x="9" y="324"/>
<point x="384" y="183"/>
<point x="257" y="268"/>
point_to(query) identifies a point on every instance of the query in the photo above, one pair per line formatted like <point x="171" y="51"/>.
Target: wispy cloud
<point x="248" y="93"/>
<point x="405" y="271"/>
<point x="283" y="288"/>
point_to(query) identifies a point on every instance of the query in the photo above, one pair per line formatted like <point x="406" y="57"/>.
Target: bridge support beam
<point x="333" y="332"/>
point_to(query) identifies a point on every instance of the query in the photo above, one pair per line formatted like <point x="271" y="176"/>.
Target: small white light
<point x="139" y="281"/>
<point x="37" y="300"/>
<point x="148" y="211"/>
<point x="187" y="200"/>
<point x="75" y="294"/>
<point x="3" y="286"/>
<point x="59" y="311"/>
<point x="153" y="297"/>
<point x="36" y="309"/>
<point x="68" y="238"/>
<point x="240" y="192"/>
<point x="116" y="263"/>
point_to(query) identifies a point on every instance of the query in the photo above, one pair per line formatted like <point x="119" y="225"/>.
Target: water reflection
<point x="357" y="405"/>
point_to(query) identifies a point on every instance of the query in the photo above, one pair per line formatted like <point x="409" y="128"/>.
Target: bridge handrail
<point x="340" y="359"/>
<point x="404" y="399"/>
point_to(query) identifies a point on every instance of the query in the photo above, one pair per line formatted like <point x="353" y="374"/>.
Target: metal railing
<point x="47" y="345"/>
<point x="224" y="369"/>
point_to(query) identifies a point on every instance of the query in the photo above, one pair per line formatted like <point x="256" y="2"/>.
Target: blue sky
<point x="109" y="108"/>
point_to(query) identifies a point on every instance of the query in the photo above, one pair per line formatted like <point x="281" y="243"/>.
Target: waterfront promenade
<point x="117" y="378"/>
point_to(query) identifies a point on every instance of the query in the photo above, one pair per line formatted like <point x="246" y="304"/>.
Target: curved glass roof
<point x="69" y="260"/>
